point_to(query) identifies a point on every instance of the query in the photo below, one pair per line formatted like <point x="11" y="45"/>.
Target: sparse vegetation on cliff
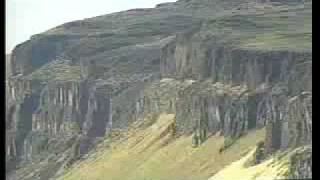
<point x="182" y="91"/>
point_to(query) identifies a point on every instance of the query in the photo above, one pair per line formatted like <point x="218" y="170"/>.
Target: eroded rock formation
<point x="70" y="86"/>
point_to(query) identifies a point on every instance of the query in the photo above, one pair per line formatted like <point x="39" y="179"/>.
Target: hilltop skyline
<point x="36" y="16"/>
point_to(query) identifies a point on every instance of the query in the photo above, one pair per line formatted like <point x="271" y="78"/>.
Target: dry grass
<point x="153" y="153"/>
<point x="276" y="167"/>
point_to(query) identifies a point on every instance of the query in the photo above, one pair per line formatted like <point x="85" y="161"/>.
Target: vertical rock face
<point x="299" y="121"/>
<point x="290" y="126"/>
<point x="272" y="81"/>
<point x="127" y="104"/>
<point x="167" y="60"/>
<point x="213" y="107"/>
<point x="97" y="118"/>
<point x="36" y="52"/>
<point x="51" y="117"/>
<point x="72" y="108"/>
<point x="72" y="85"/>
<point x="22" y="101"/>
<point x="57" y="109"/>
<point x="196" y="58"/>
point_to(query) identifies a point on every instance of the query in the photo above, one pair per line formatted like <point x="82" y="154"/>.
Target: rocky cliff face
<point x="249" y="87"/>
<point x="301" y="164"/>
<point x="220" y="66"/>
<point x="266" y="86"/>
<point x="196" y="57"/>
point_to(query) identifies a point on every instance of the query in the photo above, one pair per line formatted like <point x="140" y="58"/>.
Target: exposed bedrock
<point x="191" y="57"/>
<point x="73" y="108"/>
<point x="37" y="51"/>
<point x="240" y="89"/>
<point x="61" y="109"/>
<point x="86" y="109"/>
<point x="22" y="101"/>
<point x="234" y="111"/>
<point x="234" y="90"/>
<point x="301" y="164"/>
<point x="291" y="125"/>
<point x="225" y="67"/>
<point x="211" y="88"/>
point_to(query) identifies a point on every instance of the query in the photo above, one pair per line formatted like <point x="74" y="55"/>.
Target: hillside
<point x="151" y="153"/>
<point x="193" y="89"/>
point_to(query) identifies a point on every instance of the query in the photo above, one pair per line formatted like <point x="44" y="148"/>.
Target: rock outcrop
<point x="301" y="164"/>
<point x="223" y="67"/>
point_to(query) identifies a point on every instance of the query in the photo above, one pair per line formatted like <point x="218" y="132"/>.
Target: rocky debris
<point x="301" y="164"/>
<point x="219" y="66"/>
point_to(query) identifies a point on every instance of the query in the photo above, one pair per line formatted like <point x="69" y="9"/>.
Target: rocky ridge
<point x="219" y="66"/>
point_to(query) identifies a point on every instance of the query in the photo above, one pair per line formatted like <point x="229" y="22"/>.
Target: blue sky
<point x="27" y="17"/>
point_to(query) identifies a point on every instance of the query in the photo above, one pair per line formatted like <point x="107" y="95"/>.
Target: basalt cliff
<point x="216" y="85"/>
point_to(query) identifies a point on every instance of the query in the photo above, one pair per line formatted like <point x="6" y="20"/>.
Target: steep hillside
<point x="189" y="87"/>
<point x="280" y="166"/>
<point x="154" y="153"/>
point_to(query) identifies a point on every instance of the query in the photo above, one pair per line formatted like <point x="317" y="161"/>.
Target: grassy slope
<point x="273" y="28"/>
<point x="271" y="169"/>
<point x="276" y="166"/>
<point x="59" y="70"/>
<point x="152" y="153"/>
